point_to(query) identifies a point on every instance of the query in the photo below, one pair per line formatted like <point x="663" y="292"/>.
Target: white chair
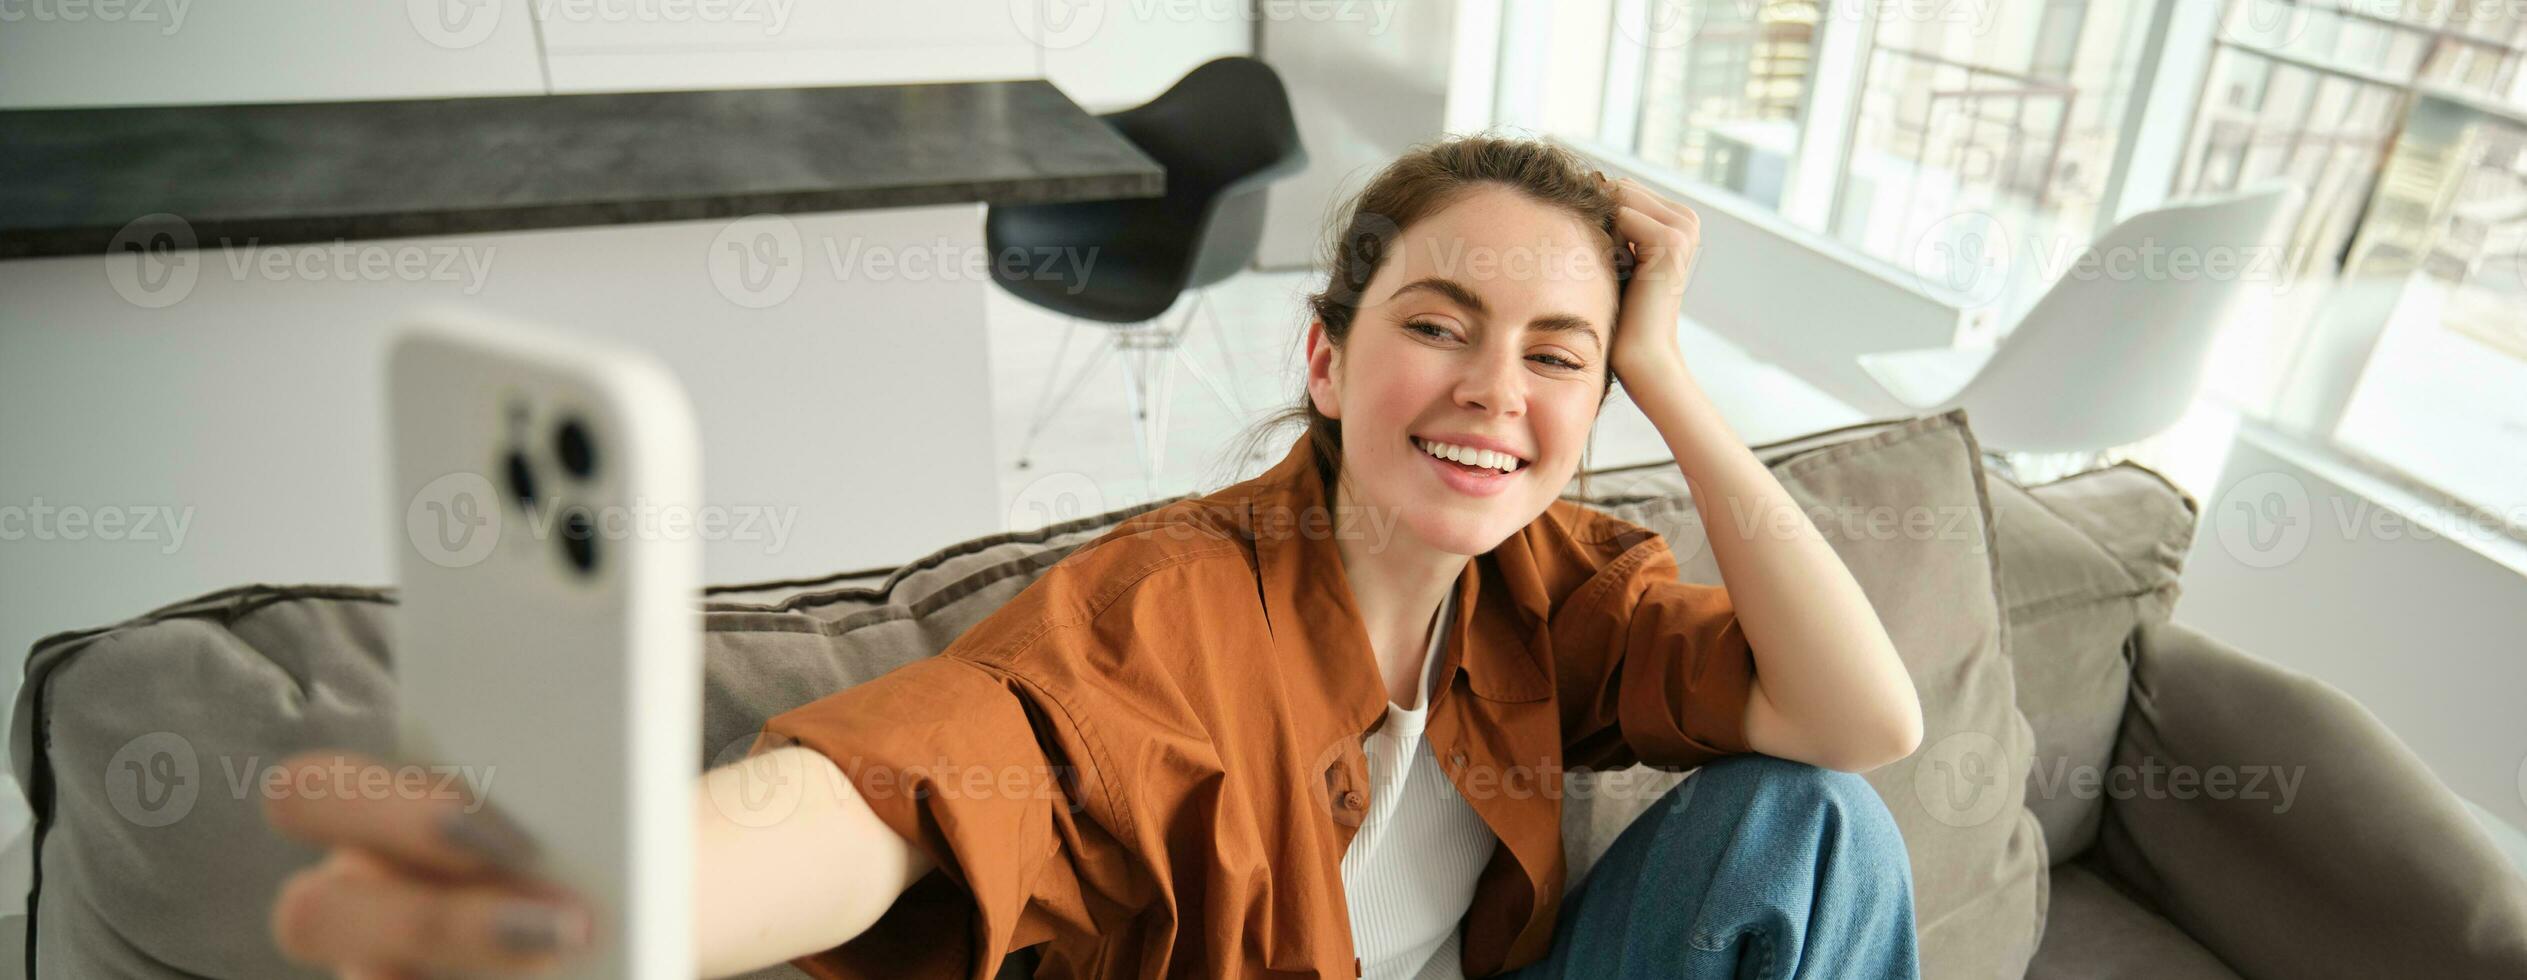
<point x="2111" y="358"/>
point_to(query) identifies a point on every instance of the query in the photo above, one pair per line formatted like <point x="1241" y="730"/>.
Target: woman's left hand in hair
<point x="1665" y="238"/>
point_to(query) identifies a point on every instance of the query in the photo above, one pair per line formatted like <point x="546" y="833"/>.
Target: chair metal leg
<point x="1070" y="329"/>
<point x="1077" y="381"/>
<point x="1228" y="362"/>
<point x="1227" y="395"/>
<point x="1150" y="353"/>
<point x="1203" y="375"/>
<point x="1229" y="398"/>
<point x="1162" y="411"/>
<point x="1135" y="364"/>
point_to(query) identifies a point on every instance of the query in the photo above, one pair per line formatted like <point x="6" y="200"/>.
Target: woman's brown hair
<point x="1425" y="180"/>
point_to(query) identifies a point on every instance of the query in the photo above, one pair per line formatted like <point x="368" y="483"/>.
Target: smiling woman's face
<point x="1486" y="328"/>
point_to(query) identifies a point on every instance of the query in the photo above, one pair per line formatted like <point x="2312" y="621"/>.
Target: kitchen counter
<point x="72" y="179"/>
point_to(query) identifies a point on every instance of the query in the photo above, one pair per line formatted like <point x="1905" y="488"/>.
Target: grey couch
<point x="2049" y="833"/>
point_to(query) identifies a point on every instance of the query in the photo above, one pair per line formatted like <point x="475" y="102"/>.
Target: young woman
<point x="1314" y="724"/>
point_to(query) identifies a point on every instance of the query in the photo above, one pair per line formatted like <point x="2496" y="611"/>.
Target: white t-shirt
<point x="1409" y="875"/>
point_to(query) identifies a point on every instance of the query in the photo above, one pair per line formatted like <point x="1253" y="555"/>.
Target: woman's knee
<point x="1800" y="787"/>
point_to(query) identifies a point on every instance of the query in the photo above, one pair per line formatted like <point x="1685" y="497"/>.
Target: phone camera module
<point x="579" y="539"/>
<point x="521" y="476"/>
<point x="578" y="452"/>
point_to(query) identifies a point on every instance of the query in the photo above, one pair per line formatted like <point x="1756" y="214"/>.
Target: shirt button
<point x="1351" y="800"/>
<point x="1457" y="758"/>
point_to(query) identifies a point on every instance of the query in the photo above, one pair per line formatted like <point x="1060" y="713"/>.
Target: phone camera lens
<point x="579" y="539"/>
<point x="578" y="452"/>
<point x="521" y="480"/>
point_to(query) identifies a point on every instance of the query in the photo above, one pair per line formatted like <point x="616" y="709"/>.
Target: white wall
<point x="200" y="51"/>
<point x="2295" y="563"/>
<point x="1105" y="54"/>
<point x="1364" y="89"/>
<point x="1137" y="48"/>
<point x="250" y="408"/>
<point x="788" y="42"/>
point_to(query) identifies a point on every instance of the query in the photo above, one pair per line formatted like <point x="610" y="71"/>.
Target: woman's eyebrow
<point x="1456" y="293"/>
<point x="1566" y="323"/>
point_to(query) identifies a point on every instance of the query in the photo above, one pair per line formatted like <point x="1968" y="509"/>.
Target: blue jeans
<point x="1756" y="868"/>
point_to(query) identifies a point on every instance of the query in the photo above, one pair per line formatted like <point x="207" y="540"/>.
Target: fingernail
<point x="536" y="927"/>
<point x="489" y="834"/>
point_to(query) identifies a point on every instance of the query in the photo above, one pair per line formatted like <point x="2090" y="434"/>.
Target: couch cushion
<point x="1903" y="504"/>
<point x="139" y="746"/>
<point x="2084" y="561"/>
<point x="2096" y="932"/>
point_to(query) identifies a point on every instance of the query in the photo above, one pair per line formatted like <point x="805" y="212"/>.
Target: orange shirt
<point x="1150" y="761"/>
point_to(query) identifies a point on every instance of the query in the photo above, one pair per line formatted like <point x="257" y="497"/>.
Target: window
<point x="2407" y="124"/>
<point x="1875" y="122"/>
<point x="2441" y="399"/>
<point x="2007" y="114"/>
<point x="1724" y="106"/>
<point x="2315" y="91"/>
<point x="1710" y="90"/>
<point x="1971" y="148"/>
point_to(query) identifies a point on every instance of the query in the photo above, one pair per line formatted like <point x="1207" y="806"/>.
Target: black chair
<point x="1223" y="133"/>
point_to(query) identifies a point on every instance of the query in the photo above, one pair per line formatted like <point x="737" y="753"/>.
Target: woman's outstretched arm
<point x="413" y="883"/>
<point x="773" y="884"/>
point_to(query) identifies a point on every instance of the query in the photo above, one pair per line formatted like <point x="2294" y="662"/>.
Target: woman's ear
<point x="1324" y="367"/>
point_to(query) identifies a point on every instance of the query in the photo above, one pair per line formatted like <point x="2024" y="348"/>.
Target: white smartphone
<point x="548" y="645"/>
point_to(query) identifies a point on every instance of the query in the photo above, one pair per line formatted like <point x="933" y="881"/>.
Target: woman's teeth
<point x="1470" y="457"/>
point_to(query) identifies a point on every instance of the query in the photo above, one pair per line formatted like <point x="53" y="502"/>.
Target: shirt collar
<point x="1316" y="624"/>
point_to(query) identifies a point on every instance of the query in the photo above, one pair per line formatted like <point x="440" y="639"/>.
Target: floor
<point x="1085" y="461"/>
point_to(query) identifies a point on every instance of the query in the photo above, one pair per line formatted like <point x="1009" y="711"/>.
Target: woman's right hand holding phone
<point x="412" y="883"/>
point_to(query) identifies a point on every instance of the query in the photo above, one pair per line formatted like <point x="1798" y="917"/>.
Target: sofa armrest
<point x="2328" y="850"/>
